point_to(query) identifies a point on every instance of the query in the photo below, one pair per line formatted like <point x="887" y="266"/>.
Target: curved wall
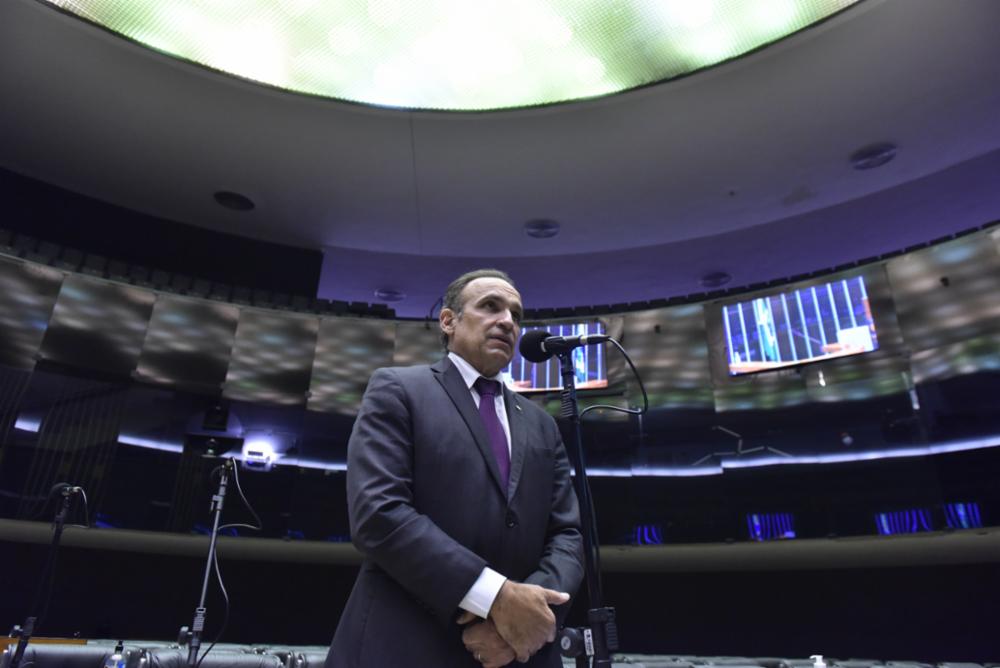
<point x="105" y="380"/>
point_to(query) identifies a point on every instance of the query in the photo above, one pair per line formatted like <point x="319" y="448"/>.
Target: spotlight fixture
<point x="873" y="155"/>
<point x="234" y="201"/>
<point x="389" y="295"/>
<point x="541" y="228"/>
<point x="715" y="279"/>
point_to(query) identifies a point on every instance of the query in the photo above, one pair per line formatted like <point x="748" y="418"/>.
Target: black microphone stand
<point x="24" y="633"/>
<point x="192" y="636"/>
<point x="600" y="637"/>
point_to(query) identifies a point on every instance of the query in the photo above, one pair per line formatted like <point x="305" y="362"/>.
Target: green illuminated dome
<point x="455" y="54"/>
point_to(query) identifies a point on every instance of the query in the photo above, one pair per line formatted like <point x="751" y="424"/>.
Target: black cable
<point x="45" y="505"/>
<point x="430" y="314"/>
<point x="215" y="558"/>
<point x="239" y="489"/>
<point x="638" y="378"/>
<point x="47" y="581"/>
<point x="225" y="609"/>
<point x="86" y="512"/>
<point x="630" y="411"/>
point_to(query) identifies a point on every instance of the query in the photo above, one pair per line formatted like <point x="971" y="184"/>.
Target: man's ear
<point x="446" y="320"/>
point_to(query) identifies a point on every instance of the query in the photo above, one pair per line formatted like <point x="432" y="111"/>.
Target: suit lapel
<point x="518" y="439"/>
<point x="451" y="381"/>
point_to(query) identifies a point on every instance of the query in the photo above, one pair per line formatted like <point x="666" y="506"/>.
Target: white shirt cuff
<point x="480" y="597"/>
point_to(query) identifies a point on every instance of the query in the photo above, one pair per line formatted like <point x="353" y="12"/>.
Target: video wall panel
<point x="858" y="378"/>
<point x="669" y="346"/>
<point x="347" y="352"/>
<point x="835" y="377"/>
<point x="272" y="357"/>
<point x="947" y="293"/>
<point x="188" y="343"/>
<point x="981" y="354"/>
<point x="762" y="392"/>
<point x="777" y="389"/>
<point x="417" y="343"/>
<point x="98" y="325"/>
<point x="28" y="295"/>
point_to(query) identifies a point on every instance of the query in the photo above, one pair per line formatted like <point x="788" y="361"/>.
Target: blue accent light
<point x="770" y="526"/>
<point x="653" y="471"/>
<point x="962" y="516"/>
<point x="903" y="521"/>
<point x="103" y="521"/>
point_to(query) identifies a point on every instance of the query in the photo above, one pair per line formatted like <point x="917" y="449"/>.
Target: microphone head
<point x="58" y="488"/>
<point x="531" y="346"/>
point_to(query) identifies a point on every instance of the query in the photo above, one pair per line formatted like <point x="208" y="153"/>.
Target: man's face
<point x="486" y="330"/>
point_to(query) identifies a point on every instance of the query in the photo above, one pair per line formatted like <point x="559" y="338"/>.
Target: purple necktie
<point x="488" y="390"/>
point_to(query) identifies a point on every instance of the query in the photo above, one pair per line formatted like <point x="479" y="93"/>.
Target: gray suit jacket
<point x="428" y="512"/>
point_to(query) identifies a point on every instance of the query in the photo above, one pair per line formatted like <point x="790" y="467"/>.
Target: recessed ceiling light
<point x="873" y="155"/>
<point x="389" y="295"/>
<point x="541" y="228"/>
<point x="234" y="201"/>
<point x="715" y="279"/>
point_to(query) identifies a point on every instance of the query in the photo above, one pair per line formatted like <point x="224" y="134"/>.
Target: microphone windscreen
<point x="531" y="346"/>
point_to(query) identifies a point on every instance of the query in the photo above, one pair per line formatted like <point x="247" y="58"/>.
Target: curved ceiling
<point x="741" y="168"/>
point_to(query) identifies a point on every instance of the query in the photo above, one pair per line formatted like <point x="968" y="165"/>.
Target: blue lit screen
<point x="588" y="361"/>
<point x="770" y="526"/>
<point x="647" y="534"/>
<point x="798" y="326"/>
<point x="903" y="521"/>
<point x="963" y="515"/>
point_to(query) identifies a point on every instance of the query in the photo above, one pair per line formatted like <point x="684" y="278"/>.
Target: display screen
<point x="588" y="362"/>
<point x="799" y="326"/>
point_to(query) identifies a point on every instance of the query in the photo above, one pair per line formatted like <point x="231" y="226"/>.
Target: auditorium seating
<point x="153" y="654"/>
<point x="91" y="655"/>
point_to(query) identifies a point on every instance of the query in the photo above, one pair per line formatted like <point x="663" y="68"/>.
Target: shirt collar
<point x="469" y="373"/>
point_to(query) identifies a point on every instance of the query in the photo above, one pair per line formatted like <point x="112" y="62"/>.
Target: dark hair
<point x="453" y="294"/>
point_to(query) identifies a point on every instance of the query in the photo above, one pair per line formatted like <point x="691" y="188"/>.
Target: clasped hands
<point x="519" y="624"/>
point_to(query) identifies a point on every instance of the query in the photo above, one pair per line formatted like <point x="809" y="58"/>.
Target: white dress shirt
<point x="479" y="599"/>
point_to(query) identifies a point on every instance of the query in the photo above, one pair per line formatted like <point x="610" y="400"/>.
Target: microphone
<point x="538" y="345"/>
<point x="65" y="489"/>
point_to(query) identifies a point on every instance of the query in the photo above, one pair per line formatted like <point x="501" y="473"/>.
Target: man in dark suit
<point x="460" y="497"/>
